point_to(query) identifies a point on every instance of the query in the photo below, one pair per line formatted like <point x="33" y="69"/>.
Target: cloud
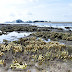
<point x="34" y="0"/>
<point x="6" y="2"/>
<point x="16" y="1"/>
<point x="40" y="6"/>
<point x="35" y="9"/>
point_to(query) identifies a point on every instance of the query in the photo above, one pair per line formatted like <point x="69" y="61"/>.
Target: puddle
<point x="44" y="39"/>
<point x="12" y="36"/>
<point x="47" y="40"/>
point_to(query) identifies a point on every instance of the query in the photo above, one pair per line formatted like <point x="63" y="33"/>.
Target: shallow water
<point x="47" y="40"/>
<point x="55" y="25"/>
<point x="12" y="36"/>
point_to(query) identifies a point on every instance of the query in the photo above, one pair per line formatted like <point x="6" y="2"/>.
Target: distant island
<point x="21" y="21"/>
<point x="35" y="21"/>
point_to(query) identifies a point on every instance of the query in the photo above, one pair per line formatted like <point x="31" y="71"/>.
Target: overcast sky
<point x="53" y="10"/>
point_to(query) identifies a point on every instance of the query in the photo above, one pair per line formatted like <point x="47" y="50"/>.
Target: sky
<point x="49" y="10"/>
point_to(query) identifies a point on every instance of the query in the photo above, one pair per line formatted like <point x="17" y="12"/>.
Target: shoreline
<point x="33" y="22"/>
<point x="53" y="22"/>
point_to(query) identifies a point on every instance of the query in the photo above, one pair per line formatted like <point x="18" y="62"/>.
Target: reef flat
<point x="33" y="53"/>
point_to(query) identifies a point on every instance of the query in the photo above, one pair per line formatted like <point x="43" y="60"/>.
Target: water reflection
<point x="12" y="36"/>
<point x="47" y="40"/>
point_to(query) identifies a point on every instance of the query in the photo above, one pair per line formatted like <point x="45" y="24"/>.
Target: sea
<point x="56" y="25"/>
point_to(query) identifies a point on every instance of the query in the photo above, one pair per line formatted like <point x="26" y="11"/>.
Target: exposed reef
<point x="11" y="28"/>
<point x="55" y="36"/>
<point x="26" y="52"/>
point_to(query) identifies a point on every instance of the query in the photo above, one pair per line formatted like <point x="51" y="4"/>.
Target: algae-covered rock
<point x="18" y="66"/>
<point x="5" y="47"/>
<point x="2" y="62"/>
<point x="69" y="38"/>
<point x="1" y="53"/>
<point x="55" y="36"/>
<point x="17" y="48"/>
<point x="15" y="61"/>
<point x="48" y="55"/>
<point x="41" y="58"/>
<point x="33" y="50"/>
